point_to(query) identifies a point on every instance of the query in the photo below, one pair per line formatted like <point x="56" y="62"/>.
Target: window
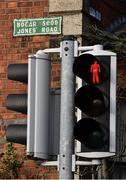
<point x="95" y="13"/>
<point x="116" y="24"/>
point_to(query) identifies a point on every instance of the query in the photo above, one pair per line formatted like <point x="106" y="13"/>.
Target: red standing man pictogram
<point x="95" y="70"/>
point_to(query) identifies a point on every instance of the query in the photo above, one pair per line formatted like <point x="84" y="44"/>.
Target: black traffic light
<point x="97" y="100"/>
<point x="17" y="133"/>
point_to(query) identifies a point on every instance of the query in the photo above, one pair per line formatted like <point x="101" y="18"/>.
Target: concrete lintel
<point x="64" y="5"/>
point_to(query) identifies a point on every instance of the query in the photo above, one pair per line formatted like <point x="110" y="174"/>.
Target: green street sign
<point x="37" y="26"/>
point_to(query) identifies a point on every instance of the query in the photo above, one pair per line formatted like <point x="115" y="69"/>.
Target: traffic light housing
<point x="97" y="100"/>
<point x="35" y="103"/>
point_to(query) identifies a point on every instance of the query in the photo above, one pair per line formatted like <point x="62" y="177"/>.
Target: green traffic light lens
<point x="91" y="133"/>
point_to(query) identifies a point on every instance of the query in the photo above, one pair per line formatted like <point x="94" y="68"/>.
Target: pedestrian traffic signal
<point x="97" y="100"/>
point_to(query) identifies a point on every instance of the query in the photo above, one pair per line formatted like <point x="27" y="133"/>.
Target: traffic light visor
<point x="17" y="102"/>
<point x="18" y="72"/>
<point x="17" y="133"/>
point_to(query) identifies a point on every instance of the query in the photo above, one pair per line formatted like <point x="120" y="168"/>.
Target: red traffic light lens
<point x="90" y="69"/>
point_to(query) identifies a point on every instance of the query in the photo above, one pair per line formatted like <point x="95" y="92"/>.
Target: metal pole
<point x="67" y="109"/>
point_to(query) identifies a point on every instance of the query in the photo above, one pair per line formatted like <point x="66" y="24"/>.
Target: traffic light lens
<point x="91" y="133"/>
<point x="91" y="101"/>
<point x="90" y="69"/>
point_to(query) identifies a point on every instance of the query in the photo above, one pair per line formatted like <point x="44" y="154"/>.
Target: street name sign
<point x="37" y="26"/>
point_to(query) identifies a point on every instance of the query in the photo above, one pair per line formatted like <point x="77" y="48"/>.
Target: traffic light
<point x="97" y="100"/>
<point x="35" y="103"/>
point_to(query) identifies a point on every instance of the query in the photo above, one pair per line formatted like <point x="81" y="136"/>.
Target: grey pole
<point x="67" y="108"/>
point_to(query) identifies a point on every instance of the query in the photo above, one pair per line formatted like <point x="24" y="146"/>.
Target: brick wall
<point x="16" y="49"/>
